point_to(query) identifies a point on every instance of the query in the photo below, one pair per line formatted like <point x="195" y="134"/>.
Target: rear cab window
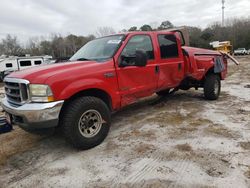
<point x="168" y="46"/>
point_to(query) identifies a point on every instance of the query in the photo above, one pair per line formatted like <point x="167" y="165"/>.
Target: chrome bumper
<point x="34" y="115"/>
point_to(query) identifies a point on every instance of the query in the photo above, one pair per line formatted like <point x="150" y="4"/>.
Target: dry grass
<point x="199" y="122"/>
<point x="219" y="130"/>
<point x="14" y="142"/>
<point x="245" y="145"/>
<point x="111" y="146"/>
<point x="143" y="148"/>
<point x="247" y="173"/>
<point x="184" y="147"/>
<point x="135" y="134"/>
<point x="166" y="119"/>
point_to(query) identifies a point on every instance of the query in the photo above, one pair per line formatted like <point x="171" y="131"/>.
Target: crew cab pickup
<point x="105" y="75"/>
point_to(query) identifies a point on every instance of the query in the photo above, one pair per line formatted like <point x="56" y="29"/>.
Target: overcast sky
<point x="25" y="18"/>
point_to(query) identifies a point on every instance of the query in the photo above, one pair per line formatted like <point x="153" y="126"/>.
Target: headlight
<point x="40" y="93"/>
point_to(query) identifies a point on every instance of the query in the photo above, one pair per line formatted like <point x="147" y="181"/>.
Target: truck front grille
<point x="16" y="91"/>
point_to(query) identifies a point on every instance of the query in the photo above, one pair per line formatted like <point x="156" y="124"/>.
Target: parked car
<point x="240" y="51"/>
<point x="104" y="76"/>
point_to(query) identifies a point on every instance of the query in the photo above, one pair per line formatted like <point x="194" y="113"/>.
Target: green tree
<point x="45" y="47"/>
<point x="165" y="25"/>
<point x="134" y="28"/>
<point x="146" y="28"/>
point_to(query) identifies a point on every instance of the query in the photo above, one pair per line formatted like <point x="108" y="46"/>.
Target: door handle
<point x="157" y="69"/>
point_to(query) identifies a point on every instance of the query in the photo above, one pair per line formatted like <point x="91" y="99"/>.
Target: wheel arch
<point x="93" y="92"/>
<point x="211" y="71"/>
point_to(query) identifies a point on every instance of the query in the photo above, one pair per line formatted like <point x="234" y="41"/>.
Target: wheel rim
<point x="90" y="123"/>
<point x="216" y="87"/>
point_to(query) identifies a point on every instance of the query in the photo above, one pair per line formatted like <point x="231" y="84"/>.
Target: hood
<point x="41" y="73"/>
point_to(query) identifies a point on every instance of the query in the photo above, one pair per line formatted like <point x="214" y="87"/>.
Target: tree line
<point x="57" y="46"/>
<point x="236" y="30"/>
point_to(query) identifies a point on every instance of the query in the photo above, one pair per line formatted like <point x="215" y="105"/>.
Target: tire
<point x="212" y="87"/>
<point x="163" y="92"/>
<point x="85" y="122"/>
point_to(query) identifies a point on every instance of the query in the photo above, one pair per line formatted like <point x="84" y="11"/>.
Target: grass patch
<point x="165" y="119"/>
<point x="135" y="134"/>
<point x="143" y="148"/>
<point x="247" y="173"/>
<point x="199" y="122"/>
<point x="219" y="130"/>
<point x="245" y="145"/>
<point x="184" y="147"/>
<point x="15" y="142"/>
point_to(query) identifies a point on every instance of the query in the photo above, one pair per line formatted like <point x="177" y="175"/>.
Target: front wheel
<point x="212" y="87"/>
<point x="85" y="122"/>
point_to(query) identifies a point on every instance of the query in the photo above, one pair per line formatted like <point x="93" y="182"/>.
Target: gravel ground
<point x="178" y="141"/>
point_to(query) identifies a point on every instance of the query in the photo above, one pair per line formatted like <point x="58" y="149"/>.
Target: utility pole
<point x="223" y="13"/>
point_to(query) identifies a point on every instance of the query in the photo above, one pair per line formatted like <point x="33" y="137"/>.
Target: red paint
<point x="127" y="84"/>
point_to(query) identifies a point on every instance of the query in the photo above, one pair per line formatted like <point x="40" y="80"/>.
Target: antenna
<point x="223" y="13"/>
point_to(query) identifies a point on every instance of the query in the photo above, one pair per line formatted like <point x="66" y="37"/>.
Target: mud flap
<point x="218" y="65"/>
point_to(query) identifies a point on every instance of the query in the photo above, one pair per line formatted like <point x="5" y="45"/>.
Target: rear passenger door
<point x="171" y="63"/>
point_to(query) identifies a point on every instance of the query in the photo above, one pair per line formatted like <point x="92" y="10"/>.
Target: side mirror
<point x="141" y="58"/>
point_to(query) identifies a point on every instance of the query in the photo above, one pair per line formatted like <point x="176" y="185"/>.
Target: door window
<point x="139" y="42"/>
<point x="168" y="46"/>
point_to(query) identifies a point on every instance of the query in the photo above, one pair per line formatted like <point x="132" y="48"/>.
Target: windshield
<point x="241" y="48"/>
<point x="98" y="49"/>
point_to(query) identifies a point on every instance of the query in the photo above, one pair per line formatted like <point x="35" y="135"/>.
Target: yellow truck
<point x="224" y="46"/>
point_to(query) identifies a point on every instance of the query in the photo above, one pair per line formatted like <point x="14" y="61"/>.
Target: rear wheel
<point x="85" y="122"/>
<point x="212" y="87"/>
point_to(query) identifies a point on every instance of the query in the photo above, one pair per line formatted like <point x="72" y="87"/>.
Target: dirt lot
<point x="178" y="141"/>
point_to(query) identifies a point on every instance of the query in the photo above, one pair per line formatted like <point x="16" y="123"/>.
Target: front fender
<point x="217" y="67"/>
<point x="77" y="86"/>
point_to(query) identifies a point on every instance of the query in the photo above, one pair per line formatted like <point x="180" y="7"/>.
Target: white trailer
<point x="13" y="64"/>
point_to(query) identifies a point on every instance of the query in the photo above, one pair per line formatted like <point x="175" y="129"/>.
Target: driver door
<point x="137" y="82"/>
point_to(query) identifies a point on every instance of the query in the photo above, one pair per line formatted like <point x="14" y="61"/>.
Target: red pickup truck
<point x="105" y="75"/>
